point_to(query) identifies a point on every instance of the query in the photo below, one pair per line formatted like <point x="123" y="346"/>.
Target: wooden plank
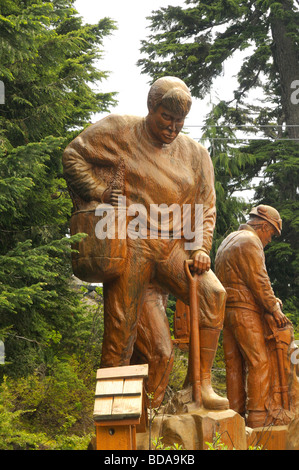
<point x="105" y="388"/>
<point x="123" y="371"/>
<point x="118" y="406"/>
<point x="118" y="395"/>
<point x="109" y="387"/>
<point x="116" y="437"/>
<point x="134" y="385"/>
<point x="127" y="406"/>
<point x="103" y="407"/>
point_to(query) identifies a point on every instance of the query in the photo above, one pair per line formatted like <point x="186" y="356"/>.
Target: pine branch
<point x="23" y="338"/>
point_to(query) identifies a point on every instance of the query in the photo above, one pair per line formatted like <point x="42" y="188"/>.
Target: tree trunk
<point x="286" y="61"/>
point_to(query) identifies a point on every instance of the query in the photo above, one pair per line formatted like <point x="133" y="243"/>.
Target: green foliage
<point x="15" y="432"/>
<point x="51" y="329"/>
<point x="57" y="400"/>
<point x="179" y="371"/>
<point x="216" y="444"/>
<point x="159" y="445"/>
<point x="195" y="42"/>
<point x="47" y="62"/>
<point x="47" y="65"/>
<point x="52" y="407"/>
<point x="170" y="310"/>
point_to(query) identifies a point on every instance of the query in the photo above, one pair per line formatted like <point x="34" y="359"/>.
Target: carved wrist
<point x="277" y="308"/>
<point x="200" y="249"/>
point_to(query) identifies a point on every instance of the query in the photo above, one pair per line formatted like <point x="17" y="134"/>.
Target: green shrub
<point x="46" y="412"/>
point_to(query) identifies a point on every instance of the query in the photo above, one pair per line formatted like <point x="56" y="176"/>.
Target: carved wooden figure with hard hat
<point x="257" y="336"/>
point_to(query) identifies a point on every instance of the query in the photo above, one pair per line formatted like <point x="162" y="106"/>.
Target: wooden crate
<point x="119" y="406"/>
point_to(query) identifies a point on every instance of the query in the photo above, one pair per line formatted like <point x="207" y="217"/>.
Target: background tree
<point x="48" y="64"/>
<point x="194" y="43"/>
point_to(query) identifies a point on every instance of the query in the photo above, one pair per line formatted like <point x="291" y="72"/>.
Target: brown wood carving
<point x="148" y="164"/>
<point x="262" y="384"/>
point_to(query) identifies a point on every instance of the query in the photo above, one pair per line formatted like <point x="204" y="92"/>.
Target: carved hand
<point x="201" y="262"/>
<point x="280" y="318"/>
<point x="110" y="196"/>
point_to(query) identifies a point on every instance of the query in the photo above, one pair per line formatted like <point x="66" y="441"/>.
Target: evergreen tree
<point x="279" y="188"/>
<point x="194" y="44"/>
<point x="48" y="65"/>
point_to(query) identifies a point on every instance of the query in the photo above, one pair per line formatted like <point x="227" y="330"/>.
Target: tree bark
<point x="286" y="61"/>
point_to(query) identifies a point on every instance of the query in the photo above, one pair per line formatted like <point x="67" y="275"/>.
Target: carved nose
<point x="172" y="126"/>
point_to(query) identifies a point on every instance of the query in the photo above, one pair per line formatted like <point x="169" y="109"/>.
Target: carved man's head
<point x="172" y="93"/>
<point x="269" y="214"/>
<point x="266" y="222"/>
<point x="169" y="101"/>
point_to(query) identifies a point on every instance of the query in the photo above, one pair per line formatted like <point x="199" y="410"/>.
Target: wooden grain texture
<point x="273" y="438"/>
<point x="133" y="386"/>
<point x="116" y="437"/>
<point x="109" y="387"/>
<point x="119" y="393"/>
<point x="123" y="371"/>
<point x="102" y="407"/>
<point x="127" y="406"/>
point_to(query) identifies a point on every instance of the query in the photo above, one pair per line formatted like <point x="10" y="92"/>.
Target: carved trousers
<point x="246" y="359"/>
<point x="135" y="315"/>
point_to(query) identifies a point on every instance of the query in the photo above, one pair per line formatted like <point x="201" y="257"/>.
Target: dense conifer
<point x="48" y="64"/>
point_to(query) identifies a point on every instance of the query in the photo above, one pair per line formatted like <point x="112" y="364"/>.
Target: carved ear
<point x="265" y="226"/>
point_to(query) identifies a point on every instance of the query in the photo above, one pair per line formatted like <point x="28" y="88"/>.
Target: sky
<point x="122" y="51"/>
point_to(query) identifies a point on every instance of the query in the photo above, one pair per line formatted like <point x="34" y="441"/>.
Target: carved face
<point x="163" y="125"/>
<point x="266" y="233"/>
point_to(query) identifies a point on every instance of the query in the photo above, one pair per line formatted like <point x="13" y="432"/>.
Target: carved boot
<point x="258" y="419"/>
<point x="208" y="347"/>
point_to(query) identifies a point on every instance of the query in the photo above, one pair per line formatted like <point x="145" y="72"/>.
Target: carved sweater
<point x="178" y="173"/>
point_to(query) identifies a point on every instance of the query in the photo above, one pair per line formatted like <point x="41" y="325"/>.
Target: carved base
<point x="270" y="438"/>
<point x="194" y="429"/>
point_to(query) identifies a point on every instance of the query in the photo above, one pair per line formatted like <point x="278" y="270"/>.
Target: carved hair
<point x="255" y="221"/>
<point x="172" y="93"/>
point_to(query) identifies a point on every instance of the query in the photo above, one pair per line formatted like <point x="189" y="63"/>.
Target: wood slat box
<point x="118" y="406"/>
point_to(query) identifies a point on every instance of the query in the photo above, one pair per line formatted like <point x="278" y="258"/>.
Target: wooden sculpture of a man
<point x="257" y="336"/>
<point x="160" y="166"/>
